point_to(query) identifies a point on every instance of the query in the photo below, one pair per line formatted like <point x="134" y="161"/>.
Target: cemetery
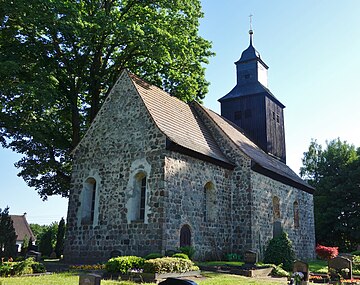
<point x="104" y="101"/>
<point x="178" y="269"/>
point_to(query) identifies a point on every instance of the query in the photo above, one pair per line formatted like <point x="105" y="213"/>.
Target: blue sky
<point x="312" y="50"/>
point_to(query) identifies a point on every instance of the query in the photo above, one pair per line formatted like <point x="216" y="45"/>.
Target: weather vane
<point x="250" y="16"/>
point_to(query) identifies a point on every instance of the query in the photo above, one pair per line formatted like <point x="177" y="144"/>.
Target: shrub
<point x="188" y="250"/>
<point x="278" y="271"/>
<point x="180" y="255"/>
<point x="168" y="265"/>
<point x="27" y="266"/>
<point x="356" y="262"/>
<point x="123" y="264"/>
<point x="38" y="267"/>
<point x="23" y="267"/>
<point x="233" y="257"/>
<point x="326" y="252"/>
<point x="6" y="269"/>
<point x="280" y="251"/>
<point x="153" y="256"/>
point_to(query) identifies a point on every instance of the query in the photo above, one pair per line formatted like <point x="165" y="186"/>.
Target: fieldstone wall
<point x="185" y="179"/>
<point x="121" y="142"/>
<point x="241" y="191"/>
<point x="303" y="237"/>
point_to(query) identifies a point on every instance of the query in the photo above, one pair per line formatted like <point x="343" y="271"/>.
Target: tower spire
<point x="251" y="32"/>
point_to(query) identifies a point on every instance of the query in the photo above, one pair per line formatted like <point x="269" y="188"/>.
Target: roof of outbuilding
<point x="22" y="227"/>
<point x="182" y="125"/>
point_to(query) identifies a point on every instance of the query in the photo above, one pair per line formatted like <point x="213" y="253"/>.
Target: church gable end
<point x="117" y="172"/>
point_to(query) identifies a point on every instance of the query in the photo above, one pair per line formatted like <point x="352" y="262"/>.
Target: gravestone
<point x="35" y="254"/>
<point x="89" y="279"/>
<point x="340" y="265"/>
<point x="303" y="267"/>
<point x="176" y="281"/>
<point x="250" y="257"/>
<point x="277" y="229"/>
<point x="347" y="255"/>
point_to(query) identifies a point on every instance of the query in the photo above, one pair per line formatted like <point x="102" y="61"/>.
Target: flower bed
<point x="319" y="279"/>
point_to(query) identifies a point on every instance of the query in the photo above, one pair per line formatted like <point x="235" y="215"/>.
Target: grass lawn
<point x="318" y="266"/>
<point x="219" y="263"/>
<point x="71" y="279"/>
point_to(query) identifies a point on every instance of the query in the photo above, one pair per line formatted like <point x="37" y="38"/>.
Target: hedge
<point x="123" y="264"/>
<point x="169" y="265"/>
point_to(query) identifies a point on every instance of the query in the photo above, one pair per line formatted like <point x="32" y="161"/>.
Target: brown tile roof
<point x="178" y="121"/>
<point x="182" y="125"/>
<point x="22" y="227"/>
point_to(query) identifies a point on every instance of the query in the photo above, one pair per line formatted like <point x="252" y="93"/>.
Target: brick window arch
<point x="276" y="208"/>
<point x="185" y="236"/>
<point x="209" y="202"/>
<point x="296" y="215"/>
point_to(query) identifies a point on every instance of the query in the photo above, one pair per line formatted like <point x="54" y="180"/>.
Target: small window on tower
<point x="247" y="113"/>
<point x="237" y="115"/>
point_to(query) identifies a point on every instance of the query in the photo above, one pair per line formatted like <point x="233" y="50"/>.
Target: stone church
<point x="153" y="174"/>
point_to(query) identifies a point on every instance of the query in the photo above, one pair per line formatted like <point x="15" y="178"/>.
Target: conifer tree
<point x="59" y="248"/>
<point x="7" y="234"/>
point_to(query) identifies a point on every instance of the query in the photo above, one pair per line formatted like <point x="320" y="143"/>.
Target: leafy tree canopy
<point x="59" y="59"/>
<point x="335" y="173"/>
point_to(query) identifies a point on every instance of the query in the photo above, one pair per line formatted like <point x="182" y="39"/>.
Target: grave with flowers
<point x="340" y="268"/>
<point x="300" y="273"/>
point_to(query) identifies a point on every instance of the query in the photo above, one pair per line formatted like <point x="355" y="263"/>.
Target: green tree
<point x="45" y="243"/>
<point x="38" y="230"/>
<point x="335" y="173"/>
<point x="45" y="237"/>
<point x="59" y="59"/>
<point x="7" y="234"/>
<point x="60" y="236"/>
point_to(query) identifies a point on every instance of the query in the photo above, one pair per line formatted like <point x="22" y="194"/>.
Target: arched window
<point x="276" y="208"/>
<point x="88" y="202"/>
<point x="142" y="186"/>
<point x="137" y="205"/>
<point x="209" y="202"/>
<point x="296" y="215"/>
<point x="185" y="236"/>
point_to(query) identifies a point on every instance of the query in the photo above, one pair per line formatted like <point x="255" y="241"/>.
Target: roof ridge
<point x="256" y="154"/>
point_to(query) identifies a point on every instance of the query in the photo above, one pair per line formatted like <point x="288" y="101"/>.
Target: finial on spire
<point x="251" y="31"/>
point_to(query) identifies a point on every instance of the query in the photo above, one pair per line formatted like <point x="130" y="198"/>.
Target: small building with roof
<point x="22" y="230"/>
<point x="153" y="174"/>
